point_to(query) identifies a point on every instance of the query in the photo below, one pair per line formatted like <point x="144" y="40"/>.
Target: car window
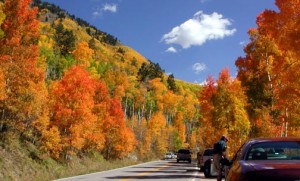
<point x="208" y="152"/>
<point x="184" y="151"/>
<point x="283" y="150"/>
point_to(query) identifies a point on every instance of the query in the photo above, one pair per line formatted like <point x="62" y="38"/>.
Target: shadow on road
<point x="173" y="170"/>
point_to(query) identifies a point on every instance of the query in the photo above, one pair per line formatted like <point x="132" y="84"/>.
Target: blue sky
<point x="189" y="38"/>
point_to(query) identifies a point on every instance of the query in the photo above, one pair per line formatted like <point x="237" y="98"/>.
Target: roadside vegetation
<point x="23" y="161"/>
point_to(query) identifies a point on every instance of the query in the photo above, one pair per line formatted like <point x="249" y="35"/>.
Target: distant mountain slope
<point x="111" y="48"/>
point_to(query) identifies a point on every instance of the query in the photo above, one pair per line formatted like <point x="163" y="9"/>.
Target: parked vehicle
<point x="184" y="155"/>
<point x="209" y="169"/>
<point x="276" y="159"/>
<point x="207" y="154"/>
<point x="169" y="155"/>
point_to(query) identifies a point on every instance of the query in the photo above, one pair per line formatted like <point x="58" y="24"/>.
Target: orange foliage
<point x="179" y="126"/>
<point x="170" y="103"/>
<point x="119" y="140"/>
<point x="73" y="102"/>
<point x="2" y="86"/>
<point x="25" y="91"/>
<point x="144" y="139"/>
<point x="272" y="59"/>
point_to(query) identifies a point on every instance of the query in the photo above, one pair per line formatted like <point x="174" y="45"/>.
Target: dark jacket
<point x="220" y="147"/>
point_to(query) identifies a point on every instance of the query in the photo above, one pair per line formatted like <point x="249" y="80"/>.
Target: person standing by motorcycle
<point x="220" y="151"/>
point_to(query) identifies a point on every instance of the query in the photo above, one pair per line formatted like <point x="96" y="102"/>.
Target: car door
<point x="234" y="171"/>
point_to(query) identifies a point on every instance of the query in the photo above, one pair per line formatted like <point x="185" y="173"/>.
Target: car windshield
<point x="283" y="150"/>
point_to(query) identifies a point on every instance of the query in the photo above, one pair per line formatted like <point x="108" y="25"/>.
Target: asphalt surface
<point x="162" y="170"/>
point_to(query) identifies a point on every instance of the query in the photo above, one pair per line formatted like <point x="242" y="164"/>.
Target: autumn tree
<point x="72" y="111"/>
<point x="283" y="28"/>
<point x="119" y="139"/>
<point x="179" y="131"/>
<point x="170" y="105"/>
<point x="143" y="136"/>
<point x="25" y="91"/>
<point x="206" y="109"/>
<point x="190" y="108"/>
<point x="158" y="89"/>
<point x="83" y="54"/>
<point x="259" y="78"/>
<point x="271" y="60"/>
<point x="117" y="82"/>
<point x="223" y="108"/>
<point x="229" y="105"/>
<point x="158" y="133"/>
<point x="128" y="99"/>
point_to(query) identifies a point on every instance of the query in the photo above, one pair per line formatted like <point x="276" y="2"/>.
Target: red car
<point x="263" y="159"/>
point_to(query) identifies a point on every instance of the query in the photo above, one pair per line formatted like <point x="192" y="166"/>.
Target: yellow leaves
<point x="78" y="30"/>
<point x="46" y="41"/>
<point x="52" y="142"/>
<point x="159" y="90"/>
<point x="83" y="54"/>
<point x="157" y="123"/>
<point x="157" y="130"/>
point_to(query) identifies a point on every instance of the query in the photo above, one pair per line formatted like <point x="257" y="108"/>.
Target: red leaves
<point x="87" y="117"/>
<point x="73" y="102"/>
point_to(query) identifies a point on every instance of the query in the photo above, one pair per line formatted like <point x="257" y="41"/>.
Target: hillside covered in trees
<point x="69" y="90"/>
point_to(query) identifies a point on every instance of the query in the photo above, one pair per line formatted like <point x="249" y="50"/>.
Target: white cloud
<point x="171" y="50"/>
<point x="199" y="67"/>
<point x="203" y="83"/>
<point x="107" y="7"/>
<point x="243" y="43"/>
<point x="96" y="13"/>
<point x="201" y="28"/>
<point x="110" y="7"/>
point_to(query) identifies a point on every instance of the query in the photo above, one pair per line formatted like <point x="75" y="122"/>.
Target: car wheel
<point x="207" y="171"/>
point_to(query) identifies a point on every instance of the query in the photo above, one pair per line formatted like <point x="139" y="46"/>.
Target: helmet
<point x="224" y="137"/>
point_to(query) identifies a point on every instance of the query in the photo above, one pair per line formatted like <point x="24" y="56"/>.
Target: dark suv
<point x="184" y="155"/>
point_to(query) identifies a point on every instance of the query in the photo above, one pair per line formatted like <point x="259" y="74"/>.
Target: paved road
<point x="163" y="170"/>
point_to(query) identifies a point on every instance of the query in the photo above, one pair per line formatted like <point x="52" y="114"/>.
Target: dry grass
<point x="22" y="162"/>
